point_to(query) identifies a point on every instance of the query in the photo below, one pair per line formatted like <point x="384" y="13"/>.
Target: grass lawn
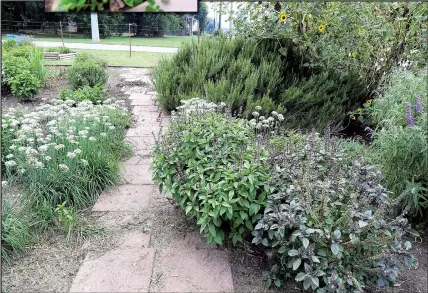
<point x="170" y="41"/>
<point x="120" y="58"/>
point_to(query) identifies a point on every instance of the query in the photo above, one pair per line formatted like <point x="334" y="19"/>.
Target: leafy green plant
<point x="15" y="235"/>
<point x="82" y="5"/>
<point x="87" y="71"/>
<point x="401" y="135"/>
<point x="86" y="57"/>
<point x="328" y="222"/>
<point x="24" y="85"/>
<point x="213" y="168"/>
<point x="94" y="94"/>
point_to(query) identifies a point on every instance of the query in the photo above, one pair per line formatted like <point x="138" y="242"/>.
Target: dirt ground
<point x="51" y="265"/>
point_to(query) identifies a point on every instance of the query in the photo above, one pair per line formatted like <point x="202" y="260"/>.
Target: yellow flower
<point x="359" y="110"/>
<point x="322" y="27"/>
<point x="369" y="102"/>
<point x="353" y="117"/>
<point x="354" y="54"/>
<point x="283" y="17"/>
<point x="360" y="30"/>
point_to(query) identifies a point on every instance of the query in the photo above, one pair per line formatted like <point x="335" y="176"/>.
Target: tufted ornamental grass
<point x="61" y="154"/>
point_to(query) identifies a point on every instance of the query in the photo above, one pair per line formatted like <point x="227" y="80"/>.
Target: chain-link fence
<point x="83" y="30"/>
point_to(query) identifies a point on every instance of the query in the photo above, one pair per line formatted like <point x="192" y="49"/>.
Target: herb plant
<point x="329" y="223"/>
<point x="213" y="168"/>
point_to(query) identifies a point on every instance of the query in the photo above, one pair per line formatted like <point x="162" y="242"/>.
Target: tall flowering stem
<point x="419" y="107"/>
<point x="409" y="116"/>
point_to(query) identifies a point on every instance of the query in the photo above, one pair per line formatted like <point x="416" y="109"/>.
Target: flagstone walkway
<point x="137" y="263"/>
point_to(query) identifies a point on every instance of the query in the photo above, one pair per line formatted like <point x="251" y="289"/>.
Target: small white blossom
<point x="10" y="163"/>
<point x="9" y="156"/>
<point x="63" y="167"/>
<point x="103" y="134"/>
<point x="59" y="147"/>
<point x="84" y="162"/>
<point x="3" y="183"/>
<point x="274" y="113"/>
<point x="258" y="108"/>
<point x="111" y="127"/>
<point x="255" y="114"/>
<point x="280" y="117"/>
<point x="77" y="151"/>
<point x="71" y="155"/>
<point x="47" y="158"/>
<point x="92" y="138"/>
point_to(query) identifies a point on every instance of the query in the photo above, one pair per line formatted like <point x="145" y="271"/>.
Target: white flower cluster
<point x="197" y="105"/>
<point x="52" y="134"/>
<point x="261" y="122"/>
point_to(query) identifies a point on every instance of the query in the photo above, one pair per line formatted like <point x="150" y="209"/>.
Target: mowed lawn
<point x="120" y="58"/>
<point x="170" y="41"/>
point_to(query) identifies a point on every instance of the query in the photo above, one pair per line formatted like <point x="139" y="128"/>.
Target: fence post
<point x="129" y="36"/>
<point x="62" y="37"/>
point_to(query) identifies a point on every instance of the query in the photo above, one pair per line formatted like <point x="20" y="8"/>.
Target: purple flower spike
<point x="419" y="107"/>
<point x="409" y="115"/>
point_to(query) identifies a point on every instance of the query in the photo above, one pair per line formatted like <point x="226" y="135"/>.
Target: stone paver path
<point x="186" y="265"/>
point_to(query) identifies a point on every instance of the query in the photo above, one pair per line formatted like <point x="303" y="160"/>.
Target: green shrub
<point x="87" y="71"/>
<point x="328" y="222"/>
<point x="24" y="85"/>
<point x="85" y="57"/>
<point x="93" y="94"/>
<point x="23" y="70"/>
<point x="60" y="50"/>
<point x="215" y="69"/>
<point x="15" y="235"/>
<point x="66" y="154"/>
<point x="214" y="170"/>
<point x="401" y="149"/>
<point x="12" y="66"/>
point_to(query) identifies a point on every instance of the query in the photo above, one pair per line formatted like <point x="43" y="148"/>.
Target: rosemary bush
<point x="327" y="223"/>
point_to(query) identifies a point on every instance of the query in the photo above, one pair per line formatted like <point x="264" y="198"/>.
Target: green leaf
<point x="282" y="250"/>
<point x="277" y="282"/>
<point x="188" y="209"/>
<point x="315" y="281"/>
<point x="335" y="248"/>
<point x="296" y="263"/>
<point x="305" y="242"/>
<point x="254" y="208"/>
<point x="212" y="229"/>
<point x="292" y="252"/>
<point x="300" y="277"/>
<point x="265" y="242"/>
<point x="306" y="283"/>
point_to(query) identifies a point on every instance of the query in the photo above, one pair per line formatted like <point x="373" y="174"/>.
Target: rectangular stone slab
<point x="118" y="270"/>
<point x="137" y="174"/>
<point x="188" y="266"/>
<point x="124" y="198"/>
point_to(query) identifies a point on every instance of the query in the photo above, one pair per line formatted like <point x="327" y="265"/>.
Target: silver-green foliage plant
<point x="328" y="223"/>
<point x="214" y="169"/>
<point x="401" y="138"/>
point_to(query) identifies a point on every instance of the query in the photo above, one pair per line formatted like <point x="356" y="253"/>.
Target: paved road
<point x="106" y="47"/>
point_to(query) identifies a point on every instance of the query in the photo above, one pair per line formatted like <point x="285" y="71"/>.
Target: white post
<point x="94" y="28"/>
<point x="230" y="17"/>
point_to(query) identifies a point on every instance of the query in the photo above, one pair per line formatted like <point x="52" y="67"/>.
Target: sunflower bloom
<point x="353" y="117"/>
<point x="369" y="102"/>
<point x="283" y="17"/>
<point x="322" y="27"/>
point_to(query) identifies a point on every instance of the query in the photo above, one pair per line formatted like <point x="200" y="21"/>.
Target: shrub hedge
<point x="267" y="73"/>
